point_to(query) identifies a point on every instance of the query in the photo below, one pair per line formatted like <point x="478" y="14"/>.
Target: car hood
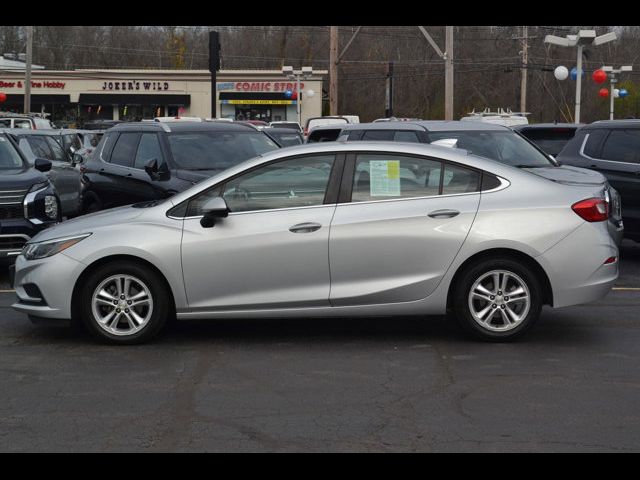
<point x="87" y="223"/>
<point x="196" y="176"/>
<point x="20" y="178"/>
<point x="569" y="175"/>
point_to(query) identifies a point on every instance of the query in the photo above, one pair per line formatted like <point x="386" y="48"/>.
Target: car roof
<point x="623" y="123"/>
<point x="391" y="125"/>
<point x="457" y="125"/>
<point x="281" y="130"/>
<point x="183" y="127"/>
<point x="541" y="126"/>
<point x="29" y="131"/>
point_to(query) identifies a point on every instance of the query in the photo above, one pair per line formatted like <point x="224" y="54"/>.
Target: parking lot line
<point x="627" y="289"/>
<point x="7" y="291"/>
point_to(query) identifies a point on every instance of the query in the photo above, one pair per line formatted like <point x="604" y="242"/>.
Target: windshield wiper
<point x="530" y="166"/>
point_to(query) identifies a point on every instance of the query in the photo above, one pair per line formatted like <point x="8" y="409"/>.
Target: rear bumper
<point x="575" y="266"/>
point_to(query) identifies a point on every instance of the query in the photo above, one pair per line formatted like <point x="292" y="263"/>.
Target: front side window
<point x="40" y="148"/>
<point x="9" y="157"/>
<point x="622" y="146"/>
<point x="125" y="148"/>
<point x="148" y="149"/>
<point x="58" y="152"/>
<point x="298" y="182"/>
<point x="217" y="150"/>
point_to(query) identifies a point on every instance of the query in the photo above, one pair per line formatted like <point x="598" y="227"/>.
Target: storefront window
<point x="130" y="113"/>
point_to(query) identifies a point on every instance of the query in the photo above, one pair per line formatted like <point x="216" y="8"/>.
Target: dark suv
<point x="136" y="162"/>
<point x="612" y="147"/>
<point x="28" y="200"/>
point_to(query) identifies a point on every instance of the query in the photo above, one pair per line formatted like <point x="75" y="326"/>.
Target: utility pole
<point x="389" y="95"/>
<point x="333" y="70"/>
<point x="525" y="61"/>
<point x="27" y="70"/>
<point x="448" y="74"/>
<point x="447" y="56"/>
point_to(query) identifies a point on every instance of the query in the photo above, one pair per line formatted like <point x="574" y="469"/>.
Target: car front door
<point x="65" y="177"/>
<point x="272" y="251"/>
<point x="145" y="187"/>
<point x="401" y="228"/>
<point x="118" y="187"/>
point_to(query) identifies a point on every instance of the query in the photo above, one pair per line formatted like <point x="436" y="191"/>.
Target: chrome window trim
<point x="504" y="183"/>
<point x="28" y="198"/>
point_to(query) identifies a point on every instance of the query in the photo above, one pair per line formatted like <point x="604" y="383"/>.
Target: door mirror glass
<point x="151" y="167"/>
<point x="42" y="165"/>
<point x="213" y="209"/>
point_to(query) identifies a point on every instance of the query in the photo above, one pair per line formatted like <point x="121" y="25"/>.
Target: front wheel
<point x="497" y="300"/>
<point x="124" y="303"/>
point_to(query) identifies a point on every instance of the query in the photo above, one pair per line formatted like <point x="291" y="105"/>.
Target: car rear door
<point x="398" y="226"/>
<point x="118" y="187"/>
<point x="65" y="177"/>
<point x="618" y="158"/>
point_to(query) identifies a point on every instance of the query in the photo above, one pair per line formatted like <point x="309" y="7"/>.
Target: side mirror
<point x="72" y="149"/>
<point x="213" y="209"/>
<point x="42" y="165"/>
<point x="77" y="159"/>
<point x="157" y="172"/>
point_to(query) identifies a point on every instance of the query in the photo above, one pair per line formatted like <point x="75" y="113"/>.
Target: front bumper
<point x="15" y="232"/>
<point x="53" y="279"/>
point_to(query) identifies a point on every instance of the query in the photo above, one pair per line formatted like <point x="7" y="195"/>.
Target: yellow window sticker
<point x="384" y="178"/>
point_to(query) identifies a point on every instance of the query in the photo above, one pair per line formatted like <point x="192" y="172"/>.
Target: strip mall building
<point x="80" y="95"/>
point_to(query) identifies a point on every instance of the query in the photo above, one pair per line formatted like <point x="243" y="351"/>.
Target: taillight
<point x="592" y="209"/>
<point x="306" y="132"/>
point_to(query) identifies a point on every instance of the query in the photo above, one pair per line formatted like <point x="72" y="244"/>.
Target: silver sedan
<point x="331" y="229"/>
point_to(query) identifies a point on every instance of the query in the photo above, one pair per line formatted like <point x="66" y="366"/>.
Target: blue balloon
<point x="288" y="93"/>
<point x="623" y="92"/>
<point x="574" y="73"/>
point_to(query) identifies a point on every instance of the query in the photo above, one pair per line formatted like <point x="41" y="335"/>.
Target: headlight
<point x="51" y="207"/>
<point x="34" y="251"/>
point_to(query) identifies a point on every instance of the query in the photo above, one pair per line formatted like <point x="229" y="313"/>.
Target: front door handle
<point x="444" y="213"/>
<point x="307" y="227"/>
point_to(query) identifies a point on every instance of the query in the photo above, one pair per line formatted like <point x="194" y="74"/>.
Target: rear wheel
<point x="124" y="303"/>
<point x="497" y="300"/>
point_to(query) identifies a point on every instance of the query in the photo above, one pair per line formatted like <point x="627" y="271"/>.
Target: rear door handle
<point x="444" y="213"/>
<point x="307" y="227"/>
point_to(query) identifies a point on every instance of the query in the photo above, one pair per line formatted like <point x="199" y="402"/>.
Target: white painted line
<point x="627" y="289"/>
<point x="7" y="291"/>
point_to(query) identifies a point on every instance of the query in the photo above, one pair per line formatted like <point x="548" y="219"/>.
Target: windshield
<point x="9" y="157"/>
<point x="217" y="150"/>
<point x="287" y="139"/>
<point x="502" y="146"/>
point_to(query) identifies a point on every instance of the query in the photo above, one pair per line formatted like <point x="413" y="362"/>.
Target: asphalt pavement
<point x="377" y="384"/>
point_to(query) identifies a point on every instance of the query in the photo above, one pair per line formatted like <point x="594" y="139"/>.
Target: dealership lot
<point x="399" y="384"/>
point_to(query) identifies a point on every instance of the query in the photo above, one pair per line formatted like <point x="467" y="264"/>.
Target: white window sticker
<point x="385" y="178"/>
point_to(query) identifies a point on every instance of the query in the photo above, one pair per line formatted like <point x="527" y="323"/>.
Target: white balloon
<point x="561" y="72"/>
<point x="310" y="93"/>
<point x="616" y="93"/>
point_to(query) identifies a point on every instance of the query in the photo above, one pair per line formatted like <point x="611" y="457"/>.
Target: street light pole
<point x="27" y="70"/>
<point x="296" y="75"/>
<point x="584" y="37"/>
<point x="613" y="80"/>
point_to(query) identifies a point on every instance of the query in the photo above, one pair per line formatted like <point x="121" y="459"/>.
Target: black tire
<point x="91" y="206"/>
<point x="462" y="291"/>
<point x="159" y="295"/>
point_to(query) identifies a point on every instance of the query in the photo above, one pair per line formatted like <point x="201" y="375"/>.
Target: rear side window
<point x="402" y="136"/>
<point x="459" y="180"/>
<point x="622" y="146"/>
<point x="58" y="152"/>
<point x="594" y="140"/>
<point x="125" y="149"/>
<point x="380" y="135"/>
<point x="328" y="135"/>
<point x="551" y="140"/>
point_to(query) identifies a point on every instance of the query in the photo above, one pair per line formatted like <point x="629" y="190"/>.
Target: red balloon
<point x="604" y="93"/>
<point x="3" y="97"/>
<point x="599" y="76"/>
<point x="294" y="96"/>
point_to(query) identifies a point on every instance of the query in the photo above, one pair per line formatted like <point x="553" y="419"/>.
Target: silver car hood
<point x="88" y="223"/>
<point x="569" y="175"/>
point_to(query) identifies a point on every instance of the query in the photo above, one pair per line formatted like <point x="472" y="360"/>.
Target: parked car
<point x="325" y="133"/>
<point x="89" y="141"/>
<point x="29" y="121"/>
<point x="501" y="117"/>
<point x="28" y="200"/>
<point x="550" y="137"/>
<point x="612" y="148"/>
<point x="64" y="172"/>
<point x="496" y="142"/>
<point x="284" y="137"/>
<point x="286" y="124"/>
<point x="135" y="162"/>
<point x="178" y="118"/>
<point x="338" y="229"/>
<point x="314" y="122"/>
